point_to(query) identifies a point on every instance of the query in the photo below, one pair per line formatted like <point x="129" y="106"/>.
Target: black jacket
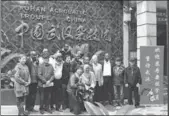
<point x="64" y="53"/>
<point x="33" y="69"/>
<point x="132" y="76"/>
<point x="75" y="64"/>
<point x="66" y="73"/>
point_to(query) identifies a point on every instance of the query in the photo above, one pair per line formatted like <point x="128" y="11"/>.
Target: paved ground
<point x="125" y="110"/>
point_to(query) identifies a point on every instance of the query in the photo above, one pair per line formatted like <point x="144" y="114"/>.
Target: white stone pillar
<point x="125" y="42"/>
<point x="146" y="25"/>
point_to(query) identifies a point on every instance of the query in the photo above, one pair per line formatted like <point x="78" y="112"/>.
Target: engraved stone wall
<point x="50" y="24"/>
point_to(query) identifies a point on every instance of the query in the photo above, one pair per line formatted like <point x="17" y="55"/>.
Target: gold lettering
<point x="38" y="17"/>
<point x="51" y="9"/>
<point x="26" y="8"/>
<point x="56" y="11"/>
<point x="43" y="9"/>
<point x="43" y="17"/>
<point x="21" y="8"/>
<point x="73" y="12"/>
<point x="38" y="9"/>
<point x="32" y="16"/>
<point x="26" y="15"/>
<point x="22" y="15"/>
<point x="84" y="12"/>
<point x="32" y="8"/>
<point x="69" y="11"/>
<point x="68" y="19"/>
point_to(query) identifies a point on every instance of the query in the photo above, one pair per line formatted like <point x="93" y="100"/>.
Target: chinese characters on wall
<point x="151" y="62"/>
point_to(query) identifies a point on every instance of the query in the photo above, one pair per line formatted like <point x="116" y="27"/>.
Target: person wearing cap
<point x="132" y="80"/>
<point x="45" y="78"/>
<point x="32" y="63"/>
<point x="66" y="51"/>
<point x="118" y="81"/>
<point x="57" y="88"/>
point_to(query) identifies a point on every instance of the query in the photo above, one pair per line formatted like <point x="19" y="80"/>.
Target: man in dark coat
<point x="66" y="51"/>
<point x="45" y="83"/>
<point x="107" y="67"/>
<point x="133" y="81"/>
<point x="65" y="79"/>
<point x="32" y="63"/>
<point x="76" y="62"/>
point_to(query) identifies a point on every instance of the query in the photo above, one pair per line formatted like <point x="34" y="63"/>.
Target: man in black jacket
<point x="65" y="79"/>
<point x="132" y="80"/>
<point x="66" y="51"/>
<point x="32" y="63"/>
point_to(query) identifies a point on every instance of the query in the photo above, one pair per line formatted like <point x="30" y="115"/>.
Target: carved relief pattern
<point x="101" y="29"/>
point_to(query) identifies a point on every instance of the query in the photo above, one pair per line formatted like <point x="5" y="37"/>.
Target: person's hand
<point x="47" y="83"/>
<point x="26" y="83"/>
<point x="91" y="89"/>
<point x="101" y="83"/>
<point x="138" y="85"/>
<point x="126" y="85"/>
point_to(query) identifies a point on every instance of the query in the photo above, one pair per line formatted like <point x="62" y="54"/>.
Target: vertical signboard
<point x="151" y="65"/>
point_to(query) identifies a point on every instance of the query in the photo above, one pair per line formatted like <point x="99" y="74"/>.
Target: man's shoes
<point x="71" y="110"/>
<point x="110" y="103"/>
<point x="49" y="111"/>
<point x="120" y="104"/>
<point x="53" y="109"/>
<point x="33" y="110"/>
<point x="57" y="108"/>
<point x="26" y="113"/>
<point x="136" y="106"/>
<point x="130" y="103"/>
<point x="60" y="110"/>
<point x="42" y="111"/>
<point x="65" y="107"/>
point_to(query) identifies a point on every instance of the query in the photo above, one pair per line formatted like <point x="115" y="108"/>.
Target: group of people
<point x="64" y="81"/>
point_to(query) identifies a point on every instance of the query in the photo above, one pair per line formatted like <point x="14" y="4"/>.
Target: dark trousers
<point x="136" y="95"/>
<point x="74" y="104"/>
<point x="98" y="93"/>
<point x="65" y="100"/>
<point x="20" y="105"/>
<point x="118" y="93"/>
<point x="31" y="97"/>
<point x="56" y="98"/>
<point x="45" y="96"/>
<point x="108" y="88"/>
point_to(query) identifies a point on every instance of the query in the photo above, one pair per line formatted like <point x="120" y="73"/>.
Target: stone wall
<point x="49" y="24"/>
